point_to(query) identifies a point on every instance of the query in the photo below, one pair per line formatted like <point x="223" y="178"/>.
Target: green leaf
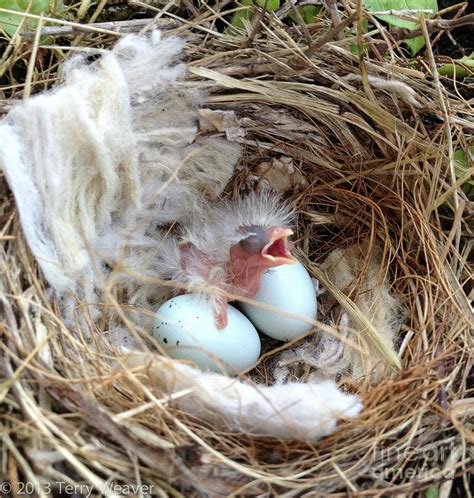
<point x="245" y="14"/>
<point x="432" y="492"/>
<point x="463" y="160"/>
<point x="308" y="13"/>
<point x="415" y="44"/>
<point x="271" y="4"/>
<point x="461" y="156"/>
<point x="461" y="67"/>
<point x="37" y="6"/>
<point x="241" y="15"/>
<point x="10" y="22"/>
<point x="379" y="5"/>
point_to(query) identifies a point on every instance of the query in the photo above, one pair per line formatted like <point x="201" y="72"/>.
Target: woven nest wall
<point x="365" y="163"/>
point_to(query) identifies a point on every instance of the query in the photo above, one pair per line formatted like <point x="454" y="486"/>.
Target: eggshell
<point x="288" y="288"/>
<point x="185" y="327"/>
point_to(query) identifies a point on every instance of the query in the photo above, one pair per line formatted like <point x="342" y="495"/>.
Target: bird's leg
<point x="196" y="264"/>
<point x="220" y="313"/>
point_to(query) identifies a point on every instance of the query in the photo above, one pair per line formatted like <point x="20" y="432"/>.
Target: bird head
<point x="230" y="245"/>
<point x="259" y="249"/>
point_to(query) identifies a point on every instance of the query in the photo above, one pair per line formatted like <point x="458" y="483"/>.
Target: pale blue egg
<point x="290" y="289"/>
<point x="185" y="328"/>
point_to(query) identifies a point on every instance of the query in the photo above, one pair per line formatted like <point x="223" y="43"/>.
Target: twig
<point x="256" y="26"/>
<point x="460" y="11"/>
<point x="330" y="35"/>
<point x="444" y="107"/>
<point x="92" y="19"/>
<point x="433" y="26"/>
<point x="32" y="61"/>
<point x="360" y="47"/>
<point x="301" y="22"/>
<point x="86" y="27"/>
<point x="189" y="5"/>
<point x="157" y="18"/>
<point x="401" y="13"/>
<point x="335" y="17"/>
<point x="283" y="11"/>
<point x="117" y="27"/>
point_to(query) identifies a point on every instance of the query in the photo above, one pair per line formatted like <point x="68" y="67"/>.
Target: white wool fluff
<point x="96" y="164"/>
<point x="290" y="411"/>
<point x="403" y="90"/>
<point x="354" y="273"/>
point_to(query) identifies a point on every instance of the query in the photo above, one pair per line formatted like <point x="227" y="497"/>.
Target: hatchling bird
<point x="227" y="247"/>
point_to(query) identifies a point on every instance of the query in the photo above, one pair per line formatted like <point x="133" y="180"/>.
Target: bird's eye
<point x="256" y="240"/>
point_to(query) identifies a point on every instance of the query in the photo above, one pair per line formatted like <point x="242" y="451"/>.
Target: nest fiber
<point x="95" y="179"/>
<point x="362" y="147"/>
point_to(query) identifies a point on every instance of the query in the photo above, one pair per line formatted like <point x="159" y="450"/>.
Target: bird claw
<point x="221" y="321"/>
<point x="220" y="317"/>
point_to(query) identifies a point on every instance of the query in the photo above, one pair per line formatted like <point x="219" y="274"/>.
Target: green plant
<point x="9" y="22"/>
<point x="415" y="44"/>
<point x="462" y="161"/>
<point x="308" y="13"/>
<point x="245" y="14"/>
<point x="460" y="67"/>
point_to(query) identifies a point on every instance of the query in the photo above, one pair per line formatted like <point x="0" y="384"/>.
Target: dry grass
<point x="377" y="168"/>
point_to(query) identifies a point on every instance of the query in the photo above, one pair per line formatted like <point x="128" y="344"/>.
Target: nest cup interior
<point x="363" y="169"/>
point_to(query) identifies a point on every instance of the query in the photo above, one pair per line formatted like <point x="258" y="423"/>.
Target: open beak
<point x="277" y="251"/>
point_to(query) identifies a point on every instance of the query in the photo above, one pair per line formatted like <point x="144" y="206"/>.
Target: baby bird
<point x="228" y="246"/>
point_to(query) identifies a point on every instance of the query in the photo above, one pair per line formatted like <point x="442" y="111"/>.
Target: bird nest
<point x="363" y="148"/>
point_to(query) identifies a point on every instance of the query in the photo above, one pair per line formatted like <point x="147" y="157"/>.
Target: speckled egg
<point x="185" y="328"/>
